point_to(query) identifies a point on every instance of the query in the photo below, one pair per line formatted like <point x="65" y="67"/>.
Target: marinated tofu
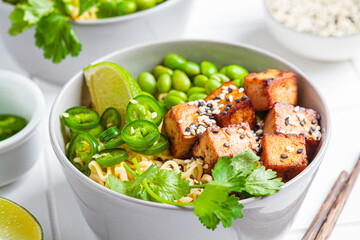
<point x="218" y="142"/>
<point x="284" y="118"/>
<point x="267" y="88"/>
<point x="181" y="125"/>
<point x="234" y="106"/>
<point x="284" y="153"/>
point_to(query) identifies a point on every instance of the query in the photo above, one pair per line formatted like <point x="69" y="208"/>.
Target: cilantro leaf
<point x="215" y="205"/>
<point x="85" y="5"/>
<point x="28" y="14"/>
<point x="14" y="2"/>
<point x="131" y="188"/>
<point x="262" y="182"/>
<point x="62" y="7"/>
<point x="169" y="185"/>
<point x="55" y="36"/>
<point x="111" y="9"/>
<point x="245" y="162"/>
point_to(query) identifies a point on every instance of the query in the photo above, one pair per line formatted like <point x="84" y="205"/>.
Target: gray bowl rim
<point x="270" y="16"/>
<point x="123" y="18"/>
<point x="90" y="183"/>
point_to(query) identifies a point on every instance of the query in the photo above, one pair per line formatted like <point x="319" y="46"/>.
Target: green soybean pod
<point x="145" y="4"/>
<point x="211" y="85"/>
<point x="236" y="72"/>
<point x="178" y="94"/>
<point x="194" y="90"/>
<point x="197" y="96"/>
<point x="130" y="6"/>
<point x="180" y="81"/>
<point x="172" y="101"/>
<point x="208" y="68"/>
<point x="147" y="82"/>
<point x="164" y="83"/>
<point x="159" y="69"/>
<point x="220" y="77"/>
<point x="190" y="68"/>
<point x="173" y="61"/>
<point x="200" y="80"/>
<point x="238" y="82"/>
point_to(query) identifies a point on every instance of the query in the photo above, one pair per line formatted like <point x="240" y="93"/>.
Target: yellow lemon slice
<point x="110" y="86"/>
<point x="17" y="223"/>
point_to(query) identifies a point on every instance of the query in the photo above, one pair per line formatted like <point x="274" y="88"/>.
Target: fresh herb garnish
<point x="216" y="203"/>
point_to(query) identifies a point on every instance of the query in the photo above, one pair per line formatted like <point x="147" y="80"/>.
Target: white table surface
<point x="46" y="193"/>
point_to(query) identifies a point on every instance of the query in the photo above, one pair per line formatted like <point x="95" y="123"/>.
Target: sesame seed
<point x="230" y="90"/>
<point x="311" y="131"/>
<point x="192" y="124"/>
<point x="240" y="130"/>
<point x="260" y="131"/>
<point x="314" y="121"/>
<point x="133" y="101"/>
<point x="300" y="150"/>
<point x="187" y="133"/>
<point x="226" y="145"/>
<point x="242" y="136"/>
<point x="198" y="112"/>
<point x="244" y="97"/>
<point x="282" y="131"/>
<point x="226" y="108"/>
<point x="318" y="116"/>
<point x="318" y="128"/>
<point x="215" y="131"/>
<point x="193" y="131"/>
<point x="237" y="100"/>
<point x="206" y="166"/>
<point x="229" y="105"/>
<point x="287" y="121"/>
<point x="241" y="90"/>
<point x="221" y="105"/>
<point x="302" y="123"/>
<point x="201" y="157"/>
<point x="181" y="121"/>
<point x="296" y="109"/>
<point x="222" y="96"/>
<point x="283" y="155"/>
<point x="232" y="87"/>
<point x="231" y="98"/>
<point x="187" y="129"/>
<point x="288" y="147"/>
<point x="201" y="103"/>
<point x="227" y="99"/>
<point x="209" y="105"/>
<point x="224" y="112"/>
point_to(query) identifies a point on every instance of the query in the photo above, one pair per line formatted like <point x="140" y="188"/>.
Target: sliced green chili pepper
<point x="110" y="118"/>
<point x="81" y="118"/>
<point x="96" y="131"/>
<point x="110" y="157"/>
<point x="12" y="122"/>
<point x="114" y="142"/>
<point x="109" y="134"/>
<point x="81" y="149"/>
<point x="140" y="134"/>
<point x="143" y="107"/>
<point x="161" y="145"/>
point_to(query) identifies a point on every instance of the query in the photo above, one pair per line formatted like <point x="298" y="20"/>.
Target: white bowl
<point x="19" y="153"/>
<point x="164" y="21"/>
<point x="113" y="216"/>
<point x="311" y="46"/>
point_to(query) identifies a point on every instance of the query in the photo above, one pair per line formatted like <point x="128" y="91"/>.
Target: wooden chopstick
<point x="326" y="206"/>
<point x="334" y="213"/>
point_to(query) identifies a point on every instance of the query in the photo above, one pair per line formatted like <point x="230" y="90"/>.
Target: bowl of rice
<point x="112" y="215"/>
<point x="166" y="20"/>
<point x="325" y="30"/>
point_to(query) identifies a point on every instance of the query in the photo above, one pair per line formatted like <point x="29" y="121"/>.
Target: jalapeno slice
<point x="140" y="134"/>
<point x="114" y="142"/>
<point x="12" y="122"/>
<point x="109" y="134"/>
<point x="81" y="118"/>
<point x="143" y="107"/>
<point x="81" y="149"/>
<point x="96" y="131"/>
<point x="111" y="157"/>
<point x="110" y="118"/>
<point x="161" y="145"/>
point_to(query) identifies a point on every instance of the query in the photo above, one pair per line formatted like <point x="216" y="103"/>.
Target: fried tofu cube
<point x="284" y="153"/>
<point x="218" y="142"/>
<point x="285" y="118"/>
<point x="234" y="106"/>
<point x="267" y="88"/>
<point x="181" y="126"/>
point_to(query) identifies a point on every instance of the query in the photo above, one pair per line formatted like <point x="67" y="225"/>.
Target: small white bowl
<point x="164" y="21"/>
<point x="311" y="46"/>
<point x="115" y="216"/>
<point x="19" y="153"/>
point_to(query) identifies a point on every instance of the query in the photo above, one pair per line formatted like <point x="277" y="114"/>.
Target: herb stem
<point x="160" y="199"/>
<point x="198" y="186"/>
<point x="132" y="172"/>
<point x="136" y="165"/>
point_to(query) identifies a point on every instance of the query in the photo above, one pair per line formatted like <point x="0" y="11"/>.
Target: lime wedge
<point x="17" y="223"/>
<point x="110" y="86"/>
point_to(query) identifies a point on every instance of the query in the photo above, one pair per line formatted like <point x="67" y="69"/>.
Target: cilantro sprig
<point x="240" y="174"/>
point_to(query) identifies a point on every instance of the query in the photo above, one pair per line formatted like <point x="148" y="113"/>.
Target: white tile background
<point x="45" y="192"/>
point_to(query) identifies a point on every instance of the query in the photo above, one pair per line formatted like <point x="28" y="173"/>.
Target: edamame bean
<point x="180" y="81"/>
<point x="236" y="72"/>
<point x="200" y="80"/>
<point x="173" y="61"/>
<point x="130" y="6"/>
<point x="197" y="96"/>
<point x="220" y="77"/>
<point x="190" y="68"/>
<point x="164" y="83"/>
<point x="172" y="101"/>
<point x="161" y="97"/>
<point x="211" y="85"/>
<point x="178" y="94"/>
<point x="159" y="69"/>
<point x="147" y="94"/>
<point x="163" y="105"/>
<point x="194" y="90"/>
<point x="145" y="4"/>
<point x="223" y="70"/>
<point x="208" y="68"/>
<point x="238" y="82"/>
<point x="147" y="82"/>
